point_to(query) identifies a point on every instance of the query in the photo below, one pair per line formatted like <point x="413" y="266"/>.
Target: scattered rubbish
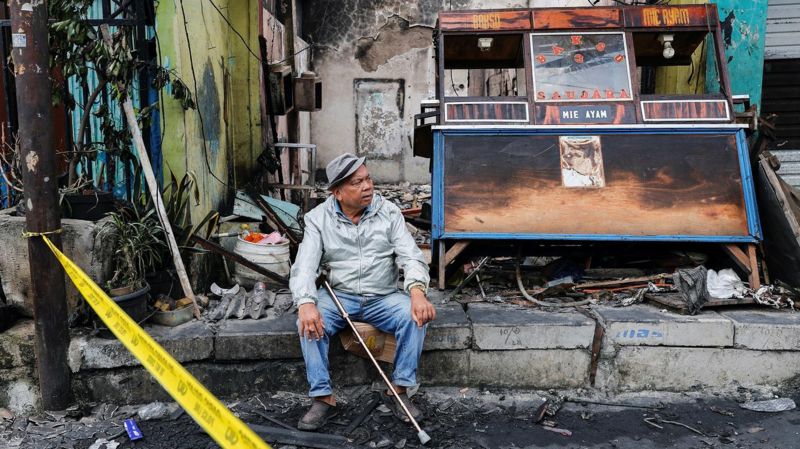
<point x="103" y="443"/>
<point x="153" y="410"/>
<point x="6" y="415"/>
<point x="691" y="283"/>
<point x="133" y="430"/>
<point x="755" y="429"/>
<point x="538" y="414"/>
<point x="559" y="431"/>
<point x="775" y="296"/>
<point x="219" y="291"/>
<point x="721" y="411"/>
<point x="243" y="304"/>
<point x="770" y="406"/>
<point x="725" y="284"/>
<point x="657" y="419"/>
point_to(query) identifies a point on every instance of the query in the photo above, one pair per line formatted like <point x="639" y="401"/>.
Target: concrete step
<point x="507" y="328"/>
<point x="644" y="325"/>
<point x="765" y="330"/>
<point x="644" y="348"/>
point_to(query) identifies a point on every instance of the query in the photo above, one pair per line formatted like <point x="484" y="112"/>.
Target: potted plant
<point x="138" y="242"/>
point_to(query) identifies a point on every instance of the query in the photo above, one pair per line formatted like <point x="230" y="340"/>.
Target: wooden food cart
<point x="556" y="125"/>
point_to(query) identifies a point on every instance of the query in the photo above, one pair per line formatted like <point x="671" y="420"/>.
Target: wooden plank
<point x="755" y="280"/>
<point x="442" y="265"/>
<point x="454" y="251"/>
<point x="781" y="228"/>
<point x="738" y="256"/>
<point x="576" y="18"/>
<point x="668" y="16"/>
<point x="485" y="20"/>
<point x="675" y="301"/>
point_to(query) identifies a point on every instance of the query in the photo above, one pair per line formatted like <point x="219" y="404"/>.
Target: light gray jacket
<point x="363" y="258"/>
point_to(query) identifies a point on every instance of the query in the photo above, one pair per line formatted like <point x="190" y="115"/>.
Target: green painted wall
<point x="225" y="76"/>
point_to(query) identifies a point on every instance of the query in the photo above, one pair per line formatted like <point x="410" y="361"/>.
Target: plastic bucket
<point x="274" y="258"/>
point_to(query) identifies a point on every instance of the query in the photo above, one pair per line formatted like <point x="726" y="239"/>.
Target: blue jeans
<point x="390" y="314"/>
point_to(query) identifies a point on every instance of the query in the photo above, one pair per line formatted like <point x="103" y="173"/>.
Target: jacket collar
<point x="332" y="206"/>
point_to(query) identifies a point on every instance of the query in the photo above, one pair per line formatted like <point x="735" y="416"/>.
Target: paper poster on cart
<point x="581" y="161"/>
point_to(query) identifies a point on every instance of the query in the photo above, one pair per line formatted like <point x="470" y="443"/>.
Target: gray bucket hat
<point x="343" y="166"/>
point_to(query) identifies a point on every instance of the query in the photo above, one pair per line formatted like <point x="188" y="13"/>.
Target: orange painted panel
<point x="485" y="20"/>
<point x="553" y="19"/>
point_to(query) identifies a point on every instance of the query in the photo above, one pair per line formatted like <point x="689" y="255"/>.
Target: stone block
<point x="450" y="330"/>
<point x="188" y="342"/>
<point x="19" y="391"/>
<point x="500" y="328"/>
<point x="768" y="330"/>
<point x="16" y="345"/>
<point x="258" y="339"/>
<point x="638" y="368"/>
<point x="645" y="325"/>
<point x="530" y="368"/>
<point x="81" y="243"/>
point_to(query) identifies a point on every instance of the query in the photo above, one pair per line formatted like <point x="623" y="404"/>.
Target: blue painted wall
<point x="744" y="26"/>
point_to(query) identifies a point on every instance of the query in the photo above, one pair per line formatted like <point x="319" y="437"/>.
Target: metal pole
<point x="31" y="56"/>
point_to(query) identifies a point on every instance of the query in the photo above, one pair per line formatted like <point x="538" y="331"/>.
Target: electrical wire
<point x="244" y="41"/>
<point x="543" y="303"/>
<point x="199" y="114"/>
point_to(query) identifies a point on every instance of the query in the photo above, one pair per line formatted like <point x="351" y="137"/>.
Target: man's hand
<point x="311" y="325"/>
<point x="422" y="310"/>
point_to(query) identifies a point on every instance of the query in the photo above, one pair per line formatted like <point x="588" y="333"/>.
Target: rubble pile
<point x="238" y="303"/>
<point x="405" y="195"/>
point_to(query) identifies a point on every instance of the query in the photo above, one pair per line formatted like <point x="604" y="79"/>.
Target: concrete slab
<point x="499" y="327"/>
<point x="258" y="339"/>
<point x="450" y="330"/>
<point x="638" y="368"/>
<point x="645" y="325"/>
<point x="16" y="345"/>
<point x="765" y="329"/>
<point x="187" y="342"/>
<point x="444" y="368"/>
<point x="530" y="368"/>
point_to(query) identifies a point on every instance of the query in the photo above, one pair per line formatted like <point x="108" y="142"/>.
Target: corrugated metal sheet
<point x="121" y="173"/>
<point x="783" y="29"/>
<point x="782" y="98"/>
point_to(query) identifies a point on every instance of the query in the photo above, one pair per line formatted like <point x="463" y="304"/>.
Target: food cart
<point x="560" y="124"/>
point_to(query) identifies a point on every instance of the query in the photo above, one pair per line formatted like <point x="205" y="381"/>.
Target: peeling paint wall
<point x="367" y="50"/>
<point x="227" y="142"/>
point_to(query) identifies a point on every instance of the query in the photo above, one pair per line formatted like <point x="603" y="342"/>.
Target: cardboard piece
<point x="380" y="344"/>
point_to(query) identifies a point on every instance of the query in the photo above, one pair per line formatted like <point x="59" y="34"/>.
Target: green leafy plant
<point x="178" y="196"/>
<point x="138" y="242"/>
<point x="78" y="50"/>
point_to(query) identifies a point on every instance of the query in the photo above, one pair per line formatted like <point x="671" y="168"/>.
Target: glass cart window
<point x="580" y="67"/>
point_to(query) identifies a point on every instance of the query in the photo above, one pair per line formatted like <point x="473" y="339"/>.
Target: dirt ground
<point x="455" y="419"/>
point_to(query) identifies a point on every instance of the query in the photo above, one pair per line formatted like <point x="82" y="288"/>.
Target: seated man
<point x="363" y="239"/>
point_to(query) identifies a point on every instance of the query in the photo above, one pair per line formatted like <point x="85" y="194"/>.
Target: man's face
<point x="355" y="192"/>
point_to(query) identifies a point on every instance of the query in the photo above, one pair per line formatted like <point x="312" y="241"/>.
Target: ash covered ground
<point x="455" y="418"/>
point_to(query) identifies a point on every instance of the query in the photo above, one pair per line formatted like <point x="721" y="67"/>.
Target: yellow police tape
<point x="225" y="428"/>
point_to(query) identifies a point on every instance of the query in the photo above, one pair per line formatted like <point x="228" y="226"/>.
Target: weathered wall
<point x="222" y="149"/>
<point x="376" y="63"/>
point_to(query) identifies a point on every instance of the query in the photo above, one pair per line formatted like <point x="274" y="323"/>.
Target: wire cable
<point x="199" y="114"/>
<point x="543" y="303"/>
